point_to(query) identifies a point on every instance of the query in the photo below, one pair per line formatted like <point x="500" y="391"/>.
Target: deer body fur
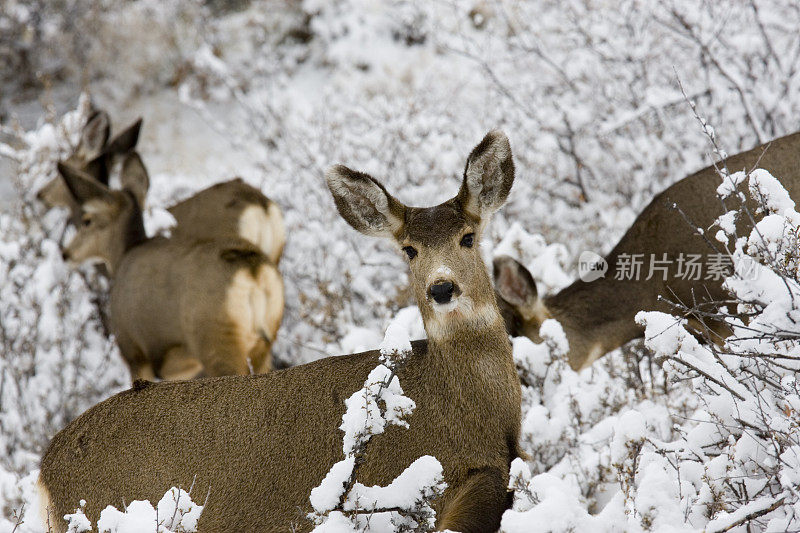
<point x="232" y="208"/>
<point x="180" y="307"/>
<point x="212" y="301"/>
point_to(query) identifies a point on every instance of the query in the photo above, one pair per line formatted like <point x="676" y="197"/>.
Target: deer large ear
<point x="364" y="203"/>
<point x="514" y="284"/>
<point x="94" y="136"/>
<point x="488" y="176"/>
<point x="134" y="177"/>
<point x="126" y="140"/>
<point x="81" y="186"/>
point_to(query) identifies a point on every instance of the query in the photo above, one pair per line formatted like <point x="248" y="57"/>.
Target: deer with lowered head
<point x="598" y="316"/>
<point x="259" y="444"/>
<point x="179" y="307"/>
<point x="228" y="209"/>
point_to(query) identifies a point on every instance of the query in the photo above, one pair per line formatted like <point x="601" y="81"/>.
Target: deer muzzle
<point x="442" y="292"/>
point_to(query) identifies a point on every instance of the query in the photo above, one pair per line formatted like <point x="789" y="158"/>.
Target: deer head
<point x="448" y="275"/>
<point x="110" y="220"/>
<point x="518" y="299"/>
<point x="93" y="157"/>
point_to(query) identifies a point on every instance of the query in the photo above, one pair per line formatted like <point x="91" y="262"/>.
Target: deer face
<point x="109" y="220"/>
<point x="98" y="230"/>
<point x="441" y="243"/>
<point x="518" y="299"/>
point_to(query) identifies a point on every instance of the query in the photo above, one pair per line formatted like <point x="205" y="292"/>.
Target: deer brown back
<point x="233" y="208"/>
<point x="259" y="444"/>
<point x="598" y="316"/>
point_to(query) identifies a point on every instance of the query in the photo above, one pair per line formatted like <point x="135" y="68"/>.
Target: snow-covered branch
<point x="343" y="504"/>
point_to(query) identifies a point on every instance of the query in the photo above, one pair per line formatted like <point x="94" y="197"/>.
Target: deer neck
<point x="593" y="320"/>
<point x="477" y="338"/>
<point x="473" y="369"/>
<point x="133" y="233"/>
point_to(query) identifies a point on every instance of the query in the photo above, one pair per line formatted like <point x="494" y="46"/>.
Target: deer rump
<point x="207" y="299"/>
<point x="284" y="423"/>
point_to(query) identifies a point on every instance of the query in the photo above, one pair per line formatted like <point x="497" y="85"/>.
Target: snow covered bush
<point x="602" y="119"/>
<point x="342" y="504"/>
<point x="732" y="463"/>
<point x="138" y="45"/>
<point x="55" y="358"/>
<point x="740" y="463"/>
<point x="174" y="513"/>
<point x="571" y="428"/>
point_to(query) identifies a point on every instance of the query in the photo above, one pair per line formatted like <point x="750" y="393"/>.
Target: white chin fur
<point x="452" y="305"/>
<point x="448" y="318"/>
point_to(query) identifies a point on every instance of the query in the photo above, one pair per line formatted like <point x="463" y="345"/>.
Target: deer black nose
<point x="442" y="292"/>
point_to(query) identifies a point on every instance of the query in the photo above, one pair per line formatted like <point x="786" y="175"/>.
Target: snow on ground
<point x="278" y="91"/>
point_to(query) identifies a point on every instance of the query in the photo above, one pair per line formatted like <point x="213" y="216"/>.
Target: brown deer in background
<point x="228" y="209"/>
<point x="259" y="444"/>
<point x="598" y="316"/>
<point x="95" y="156"/>
<point x="179" y="308"/>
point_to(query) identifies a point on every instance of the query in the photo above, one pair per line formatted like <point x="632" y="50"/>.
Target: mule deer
<point x="94" y="155"/>
<point x="598" y="316"/>
<point x="178" y="307"/>
<point x="228" y="209"/>
<point x="261" y="443"/>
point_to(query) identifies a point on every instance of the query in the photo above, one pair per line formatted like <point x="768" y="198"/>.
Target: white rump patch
<point x="44" y="504"/>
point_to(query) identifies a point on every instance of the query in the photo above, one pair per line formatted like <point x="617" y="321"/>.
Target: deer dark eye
<point x="467" y="240"/>
<point x="87" y="221"/>
<point x="410" y="251"/>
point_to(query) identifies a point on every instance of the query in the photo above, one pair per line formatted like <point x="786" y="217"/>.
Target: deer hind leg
<point x="260" y="356"/>
<point x="478" y="503"/>
<point x="139" y="364"/>
<point x="218" y="349"/>
<point x="179" y="365"/>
